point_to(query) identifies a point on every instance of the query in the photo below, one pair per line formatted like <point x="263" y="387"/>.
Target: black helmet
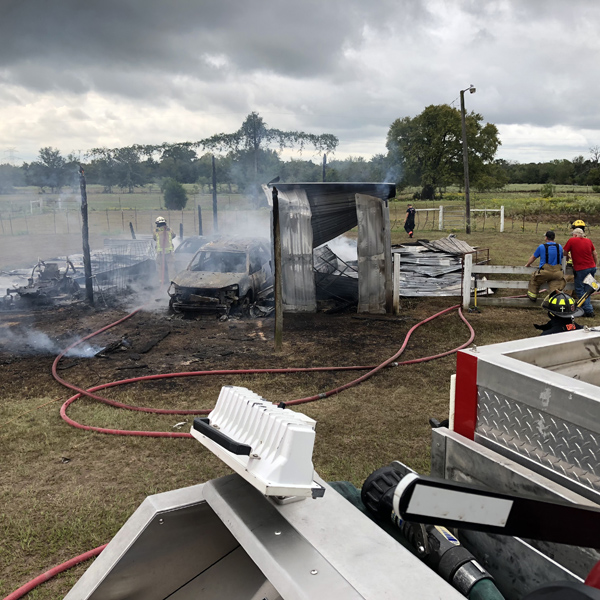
<point x="560" y="304"/>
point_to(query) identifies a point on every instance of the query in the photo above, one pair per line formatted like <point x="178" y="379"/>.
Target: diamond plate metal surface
<point x="563" y="447"/>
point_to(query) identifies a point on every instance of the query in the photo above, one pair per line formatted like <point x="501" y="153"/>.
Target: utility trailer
<point x="525" y="420"/>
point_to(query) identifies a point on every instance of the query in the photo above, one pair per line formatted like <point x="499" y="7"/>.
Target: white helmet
<point x="160" y="221"/>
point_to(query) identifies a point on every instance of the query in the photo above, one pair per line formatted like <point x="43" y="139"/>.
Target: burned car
<point x="224" y="275"/>
<point x="186" y="250"/>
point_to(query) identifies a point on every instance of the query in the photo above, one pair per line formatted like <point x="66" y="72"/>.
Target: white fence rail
<point x="485" y="211"/>
<point x="470" y="270"/>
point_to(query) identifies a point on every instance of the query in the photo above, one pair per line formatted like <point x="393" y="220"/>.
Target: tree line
<point x="423" y="151"/>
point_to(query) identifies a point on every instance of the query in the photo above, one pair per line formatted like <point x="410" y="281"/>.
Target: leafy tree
<point x="49" y="171"/>
<point x="175" y="196"/>
<point x="252" y="141"/>
<point x="179" y="161"/>
<point x="428" y="148"/>
<point x="10" y="177"/>
<point x="122" y="166"/>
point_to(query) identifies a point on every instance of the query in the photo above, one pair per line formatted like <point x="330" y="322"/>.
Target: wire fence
<point x="113" y="222"/>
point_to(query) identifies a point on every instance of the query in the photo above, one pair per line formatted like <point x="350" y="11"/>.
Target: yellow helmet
<point x="578" y="223"/>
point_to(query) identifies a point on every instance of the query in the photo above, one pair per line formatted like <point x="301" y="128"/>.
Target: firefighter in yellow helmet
<point x="578" y="224"/>
<point x="562" y="310"/>
<point x="163" y="236"/>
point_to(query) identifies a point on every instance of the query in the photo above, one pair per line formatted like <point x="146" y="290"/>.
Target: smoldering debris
<point x="27" y="341"/>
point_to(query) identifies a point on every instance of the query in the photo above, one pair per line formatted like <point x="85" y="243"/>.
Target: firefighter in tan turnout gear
<point x="550" y="272"/>
<point x="163" y="236"/>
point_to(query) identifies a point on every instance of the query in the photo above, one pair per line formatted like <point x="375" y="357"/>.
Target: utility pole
<point x="214" y="195"/>
<point x="472" y="90"/>
<point x="277" y="274"/>
<point x="85" y="234"/>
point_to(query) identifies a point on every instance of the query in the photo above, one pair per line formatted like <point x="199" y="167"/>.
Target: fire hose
<point x="372" y="370"/>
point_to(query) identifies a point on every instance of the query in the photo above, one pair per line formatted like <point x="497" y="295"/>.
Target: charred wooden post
<point x="199" y="220"/>
<point x="180" y="231"/>
<point x="87" y="263"/>
<point x="324" y="166"/>
<point x="214" y="195"/>
<point x="277" y="274"/>
<point x="132" y="230"/>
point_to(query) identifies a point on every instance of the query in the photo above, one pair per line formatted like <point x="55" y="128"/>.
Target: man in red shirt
<point x="585" y="261"/>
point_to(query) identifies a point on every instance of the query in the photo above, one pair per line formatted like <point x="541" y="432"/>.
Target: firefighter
<point x="550" y="254"/>
<point x="562" y="310"/>
<point x="163" y="236"/>
<point x="578" y="224"/>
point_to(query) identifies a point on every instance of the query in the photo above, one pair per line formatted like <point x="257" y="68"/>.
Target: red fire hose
<point x="25" y="589"/>
<point x="90" y="392"/>
<point x="372" y="370"/>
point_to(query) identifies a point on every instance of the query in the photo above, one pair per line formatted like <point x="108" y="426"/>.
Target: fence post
<point x="466" y="283"/>
<point x="199" y="220"/>
<point x="502" y="219"/>
<point x="441" y="219"/>
<point x="396" y="283"/>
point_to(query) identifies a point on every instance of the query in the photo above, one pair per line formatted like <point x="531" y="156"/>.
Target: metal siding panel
<point x="371" y="254"/>
<point x="299" y="293"/>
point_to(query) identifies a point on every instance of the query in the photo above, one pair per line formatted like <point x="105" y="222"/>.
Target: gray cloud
<point x="131" y="70"/>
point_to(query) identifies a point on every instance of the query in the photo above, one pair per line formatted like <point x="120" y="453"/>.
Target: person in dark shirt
<point x="562" y="311"/>
<point x="550" y="272"/>
<point x="409" y="220"/>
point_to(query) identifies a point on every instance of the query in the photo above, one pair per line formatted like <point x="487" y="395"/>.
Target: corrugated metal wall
<point x="298" y="279"/>
<point x="374" y="255"/>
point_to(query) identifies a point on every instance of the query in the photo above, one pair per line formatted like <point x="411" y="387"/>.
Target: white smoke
<point x="343" y="247"/>
<point x="31" y="341"/>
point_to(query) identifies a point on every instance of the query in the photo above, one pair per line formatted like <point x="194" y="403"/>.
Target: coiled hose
<point x="90" y="393"/>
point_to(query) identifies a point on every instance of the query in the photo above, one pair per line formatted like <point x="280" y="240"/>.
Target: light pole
<point x="472" y="90"/>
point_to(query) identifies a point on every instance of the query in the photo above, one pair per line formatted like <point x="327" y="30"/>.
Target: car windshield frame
<point x="219" y="261"/>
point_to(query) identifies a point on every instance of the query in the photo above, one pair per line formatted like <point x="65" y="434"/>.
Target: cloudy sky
<point x="80" y="74"/>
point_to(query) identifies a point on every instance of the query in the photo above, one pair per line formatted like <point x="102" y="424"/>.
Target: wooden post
<point x="180" y="231"/>
<point x="502" y="219"/>
<point x="200" y="220"/>
<point x="132" y="230"/>
<point x="87" y="263"/>
<point x="441" y="219"/>
<point x="324" y="166"/>
<point x="214" y="195"/>
<point x="396" y="283"/>
<point x="277" y="274"/>
<point x="466" y="282"/>
<point x="107" y="221"/>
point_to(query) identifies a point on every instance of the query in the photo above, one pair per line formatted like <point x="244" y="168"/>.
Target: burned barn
<point x="312" y="214"/>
